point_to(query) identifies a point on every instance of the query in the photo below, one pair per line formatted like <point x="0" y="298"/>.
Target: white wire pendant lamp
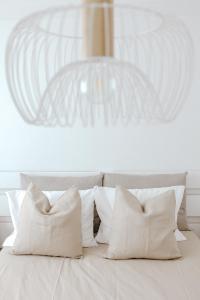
<point x="97" y="60"/>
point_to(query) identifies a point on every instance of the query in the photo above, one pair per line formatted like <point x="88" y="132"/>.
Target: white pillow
<point x="15" y="199"/>
<point x="105" y="199"/>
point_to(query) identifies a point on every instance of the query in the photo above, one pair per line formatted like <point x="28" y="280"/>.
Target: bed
<point x="93" y="277"/>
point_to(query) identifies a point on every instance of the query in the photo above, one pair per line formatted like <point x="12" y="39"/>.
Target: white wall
<point x="171" y="147"/>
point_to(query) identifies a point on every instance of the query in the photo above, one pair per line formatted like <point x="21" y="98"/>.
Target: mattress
<point x="95" y="278"/>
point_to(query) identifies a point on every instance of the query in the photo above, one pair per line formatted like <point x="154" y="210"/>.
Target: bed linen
<point x="95" y="278"/>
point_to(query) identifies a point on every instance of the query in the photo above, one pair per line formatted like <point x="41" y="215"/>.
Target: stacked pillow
<point x="16" y="198"/>
<point x="61" y="183"/>
<point x="143" y="231"/>
<point x="49" y="230"/>
<point x="55" y="187"/>
<point x="135" y="223"/>
<point x="105" y="201"/>
<point x="146" y="181"/>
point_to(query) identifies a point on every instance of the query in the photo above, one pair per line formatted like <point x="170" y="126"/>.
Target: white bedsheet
<point x="95" y="278"/>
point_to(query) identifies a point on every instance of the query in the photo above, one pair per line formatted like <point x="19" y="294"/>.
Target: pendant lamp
<point x="99" y="60"/>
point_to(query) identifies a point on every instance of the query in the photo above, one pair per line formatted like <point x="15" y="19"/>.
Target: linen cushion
<point x="49" y="230"/>
<point x="151" y="181"/>
<point x="15" y="200"/>
<point x="60" y="183"/>
<point x="105" y="199"/>
<point x="143" y="231"/>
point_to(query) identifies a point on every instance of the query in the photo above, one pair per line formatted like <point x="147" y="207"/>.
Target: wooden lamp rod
<point x="98" y="40"/>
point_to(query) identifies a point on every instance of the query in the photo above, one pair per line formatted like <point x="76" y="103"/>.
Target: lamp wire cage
<point x="115" y="62"/>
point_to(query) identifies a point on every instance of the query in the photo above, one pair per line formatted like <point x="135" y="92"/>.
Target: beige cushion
<point x="49" y="230"/>
<point x="143" y="231"/>
<point x="60" y="183"/>
<point x="151" y="181"/>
